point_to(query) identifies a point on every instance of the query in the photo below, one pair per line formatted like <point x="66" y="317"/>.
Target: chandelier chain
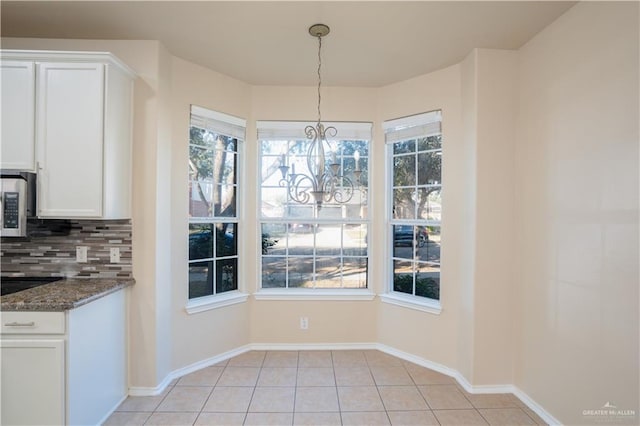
<point x="319" y="77"/>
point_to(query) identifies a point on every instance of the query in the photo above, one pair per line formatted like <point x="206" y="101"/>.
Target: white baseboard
<point x="112" y="410"/>
<point x="536" y="408"/>
<point x="475" y="389"/>
<point x="312" y="346"/>
<point x="417" y="360"/>
<point x="150" y="391"/>
<point x="176" y="374"/>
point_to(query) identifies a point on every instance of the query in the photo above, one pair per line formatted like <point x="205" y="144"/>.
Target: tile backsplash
<point x="50" y="249"/>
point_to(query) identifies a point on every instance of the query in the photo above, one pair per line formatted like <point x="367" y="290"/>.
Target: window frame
<point x="234" y="128"/>
<point x="398" y="130"/>
<point x="294" y="131"/>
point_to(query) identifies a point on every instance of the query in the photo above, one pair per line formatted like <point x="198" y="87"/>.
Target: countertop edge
<point x="60" y="296"/>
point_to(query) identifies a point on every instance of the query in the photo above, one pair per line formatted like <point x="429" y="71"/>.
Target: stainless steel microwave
<point x="18" y="202"/>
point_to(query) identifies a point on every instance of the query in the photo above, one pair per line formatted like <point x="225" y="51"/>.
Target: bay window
<point x="214" y="146"/>
<point x="307" y="244"/>
<point x="414" y="185"/>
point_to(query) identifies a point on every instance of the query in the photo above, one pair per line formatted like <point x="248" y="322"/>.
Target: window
<point x="305" y="246"/>
<point x="414" y="152"/>
<point x="214" y="142"/>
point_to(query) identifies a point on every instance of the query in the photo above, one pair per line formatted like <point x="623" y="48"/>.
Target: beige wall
<point x="488" y="95"/>
<point x="467" y="212"/>
<point x="329" y="321"/>
<point x="577" y="211"/>
<point x="398" y="326"/>
<point x="206" y="334"/>
<point x="493" y="296"/>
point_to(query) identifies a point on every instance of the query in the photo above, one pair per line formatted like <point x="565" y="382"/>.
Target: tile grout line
<point x="295" y="389"/>
<point x="210" y="393"/>
<point x="377" y="388"/>
<point x="335" y="379"/>
<point x="246" y="414"/>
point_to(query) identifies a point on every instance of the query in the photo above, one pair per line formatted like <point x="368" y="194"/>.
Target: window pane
<point x="363" y="178"/>
<point x="226" y="170"/>
<point x="403" y="276"/>
<point x="301" y="211"/>
<point x="431" y="250"/>
<point x="328" y="240"/>
<point x="348" y="148"/>
<point x="429" y="168"/>
<point x="300" y="272"/>
<point x="429" y="203"/>
<point x="404" y="146"/>
<point x="200" y="241"/>
<point x="355" y="240"/>
<point x="200" y="163"/>
<point x="432" y="142"/>
<point x="224" y="200"/>
<point x="201" y="137"/>
<point x="428" y="280"/>
<point x="328" y="271"/>
<point x="274" y="239"/>
<point x="354" y="272"/>
<point x="301" y="239"/>
<point x="226" y="276"/>
<point x="273" y="201"/>
<point x="273" y="147"/>
<point x="404" y="206"/>
<point x="201" y="194"/>
<point x="226" y="240"/>
<point x="405" y="239"/>
<point x="274" y="272"/>
<point x="404" y="170"/>
<point x="200" y="279"/>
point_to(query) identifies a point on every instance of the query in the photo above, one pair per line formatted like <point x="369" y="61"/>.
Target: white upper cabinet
<point x="18" y="115"/>
<point x="82" y="127"/>
<point x="70" y="139"/>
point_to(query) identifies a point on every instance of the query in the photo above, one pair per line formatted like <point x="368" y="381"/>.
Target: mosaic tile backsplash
<point x="50" y="249"/>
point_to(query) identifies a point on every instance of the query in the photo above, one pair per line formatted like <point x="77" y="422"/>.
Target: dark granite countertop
<point x="63" y="295"/>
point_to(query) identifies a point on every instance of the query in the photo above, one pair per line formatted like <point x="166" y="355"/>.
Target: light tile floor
<point x="320" y="388"/>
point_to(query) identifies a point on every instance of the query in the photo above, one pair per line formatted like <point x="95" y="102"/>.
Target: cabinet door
<point x="32" y="382"/>
<point x="69" y="132"/>
<point x="18" y="107"/>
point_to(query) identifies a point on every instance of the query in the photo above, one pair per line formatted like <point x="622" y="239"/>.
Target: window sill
<point x="313" y="294"/>
<point x="208" y="303"/>
<point x="413" y="302"/>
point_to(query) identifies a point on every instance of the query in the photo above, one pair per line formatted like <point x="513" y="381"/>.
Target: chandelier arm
<point x="345" y="194"/>
<point x="298" y="194"/>
<point x="330" y="131"/>
<point x="315" y="156"/>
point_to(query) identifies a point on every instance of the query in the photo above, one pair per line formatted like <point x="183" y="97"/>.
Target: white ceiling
<point x="266" y="43"/>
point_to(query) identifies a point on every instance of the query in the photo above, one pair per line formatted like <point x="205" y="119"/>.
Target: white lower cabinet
<point x="64" y="367"/>
<point x="33" y="381"/>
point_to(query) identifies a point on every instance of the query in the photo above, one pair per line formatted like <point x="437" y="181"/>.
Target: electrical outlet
<point x="81" y="254"/>
<point x="114" y="255"/>
<point x="304" y="323"/>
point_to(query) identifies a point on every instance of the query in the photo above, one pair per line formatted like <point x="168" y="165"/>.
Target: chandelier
<point x="325" y="181"/>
